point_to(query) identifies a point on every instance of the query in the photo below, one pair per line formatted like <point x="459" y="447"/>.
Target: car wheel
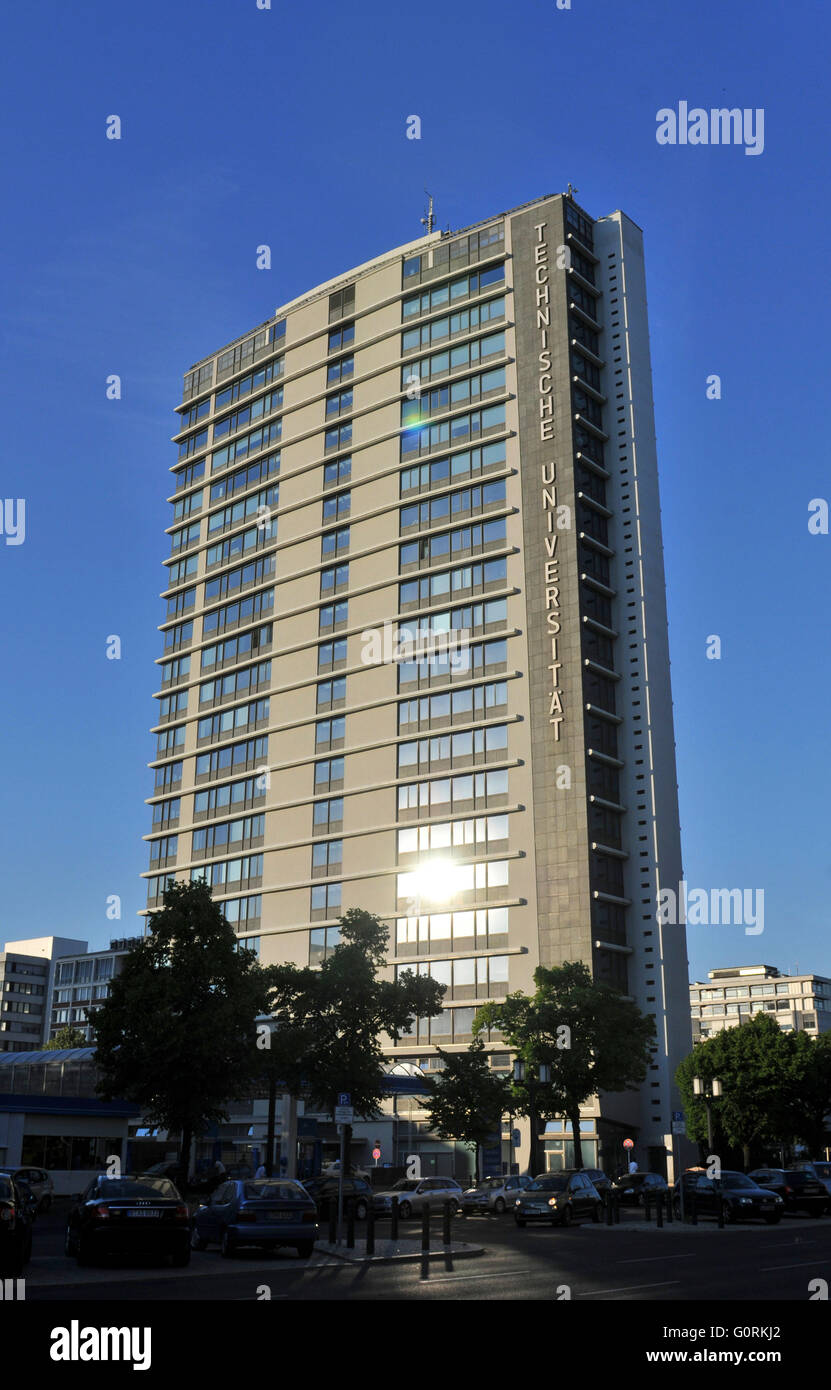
<point x="773" y="1218"/>
<point x="70" y="1244"/>
<point x="228" y="1246"/>
<point x="306" y="1249"/>
<point x="404" y="1210"/>
<point x="499" y="1205"/>
<point x="455" y="1207"/>
<point x="197" y="1242"/>
<point x="566" y="1216"/>
<point x="181" y="1258"/>
<point x="361" y="1209"/>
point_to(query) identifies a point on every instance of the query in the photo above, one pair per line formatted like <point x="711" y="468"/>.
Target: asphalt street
<point x="632" y="1261"/>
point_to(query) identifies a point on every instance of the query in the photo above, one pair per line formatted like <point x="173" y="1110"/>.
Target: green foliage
<point x="66" y="1037"/>
<point x="776" y="1085"/>
<point x="605" y="1047"/>
<point x="331" y="1020"/>
<point x="177" y="1034"/>
<point x="467" y="1100"/>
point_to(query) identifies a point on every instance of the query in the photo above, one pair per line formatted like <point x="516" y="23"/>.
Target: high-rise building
<point x="734" y="993"/>
<point x="415" y="644"/>
<point x="26" y="971"/>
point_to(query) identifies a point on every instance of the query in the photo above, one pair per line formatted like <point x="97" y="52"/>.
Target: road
<point x="628" y="1262"/>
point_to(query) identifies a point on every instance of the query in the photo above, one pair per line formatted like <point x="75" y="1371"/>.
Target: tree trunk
<point x="746" y="1155"/>
<point x="534" y="1166"/>
<point x="577" y="1141"/>
<point x="269" y="1137"/>
<point x="184" y="1156"/>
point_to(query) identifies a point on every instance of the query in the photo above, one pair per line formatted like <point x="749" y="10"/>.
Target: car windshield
<point x="737" y="1180"/>
<point x="822" y="1170"/>
<point x="108" y="1188"/>
<point x="405" y="1185"/>
<point x="5" y="1189"/>
<point x="553" y="1184"/>
<point x="799" y="1177"/>
<point x="273" y="1191"/>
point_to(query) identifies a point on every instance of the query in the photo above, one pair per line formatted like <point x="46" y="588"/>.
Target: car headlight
<point x="552" y="1201"/>
<point x="517" y="1203"/>
<point x="745" y="1201"/>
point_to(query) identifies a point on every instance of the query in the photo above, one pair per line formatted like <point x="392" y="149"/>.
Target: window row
<point x="245" y="478"/>
<point x="476" y="977"/>
<point x="435" y="400"/>
<point x="255" y="572"/>
<point x="456" y="879"/>
<point x="231" y="872"/>
<point x="453" y="325"/>
<point x="452" y="359"/>
<point x="446" y="795"/>
<point x="447" y="750"/>
<point x="229" y="796"/>
<point x="236" y="547"/>
<point x="478" y="659"/>
<point x="459" y="706"/>
<point x="451" y="584"/>
<point x="463" y="288"/>
<point x="432" y="549"/>
<point x="252" y="382"/>
<point x="245" y="445"/>
<point x="459" y="428"/>
<point x="237" y="648"/>
<point x="479" y="832"/>
<point x="452" y="931"/>
<point x="253" y="752"/>
<point x="245" y="833"/>
<point x="467" y="463"/>
<point x="237" y="683"/>
<point x="451" y="504"/>
<point x="247" y="506"/>
<point x="230" y="721"/>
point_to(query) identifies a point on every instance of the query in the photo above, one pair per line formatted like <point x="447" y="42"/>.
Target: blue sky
<point x="287" y="127"/>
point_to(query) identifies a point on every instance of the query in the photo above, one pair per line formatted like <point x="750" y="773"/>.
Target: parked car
<point x="207" y="1180"/>
<point x="331" y="1170"/>
<point x="634" y="1188"/>
<point x="16" y="1217"/>
<point x="494" y="1194"/>
<point x="128" y="1215"/>
<point x="39" y="1182"/>
<point x="798" y="1188"/>
<point x="415" y="1193"/>
<point x="742" y="1198"/>
<point x="820" y="1169"/>
<point x="257" y="1211"/>
<point x="171" y="1170"/>
<point x="324" y="1193"/>
<point x="558" y="1198"/>
<point x="598" y="1179"/>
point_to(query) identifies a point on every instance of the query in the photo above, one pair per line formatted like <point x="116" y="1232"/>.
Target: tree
<point x="330" y="1020"/>
<point x="66" y="1037"/>
<point x="466" y="1101"/>
<point x="757" y="1065"/>
<point x="810" y="1090"/>
<point x="177" y="1034"/>
<point x="589" y="1037"/>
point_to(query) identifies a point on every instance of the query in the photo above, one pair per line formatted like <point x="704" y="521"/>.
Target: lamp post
<point x="709" y="1090"/>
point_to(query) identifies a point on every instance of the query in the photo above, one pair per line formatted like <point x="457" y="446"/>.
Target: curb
<point x="456" y="1252"/>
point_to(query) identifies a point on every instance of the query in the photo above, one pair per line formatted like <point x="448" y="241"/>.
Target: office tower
<point x="453" y="441"/>
<point x="732" y="994"/>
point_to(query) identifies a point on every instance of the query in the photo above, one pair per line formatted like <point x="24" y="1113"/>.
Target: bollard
<point x="609" y="1200"/>
<point x="670" y="1217"/>
<point x="370" y="1229"/>
<point x="333" y="1222"/>
<point x="646" y="1211"/>
<point x="659" y="1206"/>
<point x="617" y="1209"/>
<point x="721" y="1214"/>
<point x="425" y="1227"/>
<point x="445" y="1231"/>
<point x="693" y="1209"/>
<point x="350" y="1224"/>
<point x="394" y="1219"/>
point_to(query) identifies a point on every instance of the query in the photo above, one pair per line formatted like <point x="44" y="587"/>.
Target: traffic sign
<point x="677" y="1114"/>
<point x="376" y="1154"/>
<point x="679" y="1127"/>
<point x="343" y="1114"/>
<point x="516" y="1138"/>
<point x="628" y="1143"/>
<point x="344" y="1098"/>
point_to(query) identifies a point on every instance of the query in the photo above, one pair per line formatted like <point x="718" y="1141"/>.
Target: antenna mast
<point x="429" y="220"/>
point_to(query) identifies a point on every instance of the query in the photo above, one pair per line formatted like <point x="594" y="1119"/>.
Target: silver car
<point x="494" y="1194"/>
<point x="39" y="1182"/>
<point x="414" y="1194"/>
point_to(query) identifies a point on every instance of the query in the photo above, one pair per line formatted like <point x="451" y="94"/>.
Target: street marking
<point x="649" y="1259"/>
<point x="626" y="1288"/>
<point x="819" y="1261"/>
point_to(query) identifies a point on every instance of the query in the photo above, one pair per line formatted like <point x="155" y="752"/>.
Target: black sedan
<point x="16" y="1218"/>
<point x="558" y="1198"/>
<point x="129" y="1215"/>
<point x="740" y="1197"/>
<point x="799" y="1190"/>
<point x="324" y="1193"/>
<point x="636" y="1188"/>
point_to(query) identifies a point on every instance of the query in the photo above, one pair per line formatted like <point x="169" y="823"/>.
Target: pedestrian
<point x="633" y="1165"/>
<point x="219" y="1168"/>
<point x="261" y="1172"/>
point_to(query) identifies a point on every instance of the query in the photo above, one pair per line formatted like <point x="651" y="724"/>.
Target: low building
<point x="25" y="976"/>
<point x="733" y="994"/>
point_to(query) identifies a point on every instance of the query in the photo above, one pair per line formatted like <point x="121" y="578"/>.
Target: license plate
<point x="767" y="1204"/>
<point x="146" y="1211"/>
<point x="281" y="1215"/>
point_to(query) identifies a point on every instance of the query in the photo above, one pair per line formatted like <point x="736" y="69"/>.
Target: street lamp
<point x="523" y="1077"/>
<point x="709" y="1090"/>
